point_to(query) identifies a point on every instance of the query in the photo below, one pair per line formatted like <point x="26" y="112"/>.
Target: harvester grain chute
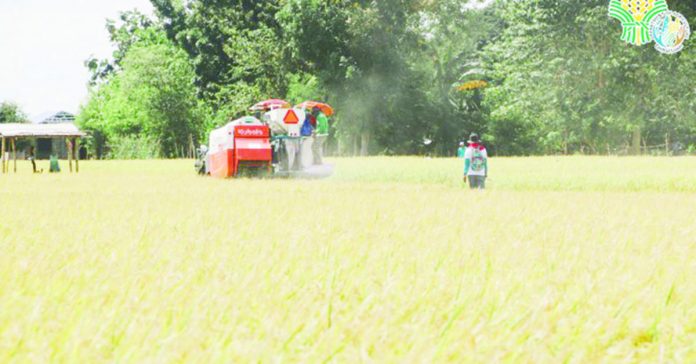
<point x="271" y="146"/>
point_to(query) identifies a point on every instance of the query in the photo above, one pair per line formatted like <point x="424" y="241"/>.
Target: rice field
<point x="562" y="260"/>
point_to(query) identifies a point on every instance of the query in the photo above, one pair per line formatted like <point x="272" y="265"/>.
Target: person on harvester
<point x="321" y="134"/>
<point x="476" y="163"/>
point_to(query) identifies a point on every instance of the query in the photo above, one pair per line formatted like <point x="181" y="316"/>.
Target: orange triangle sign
<point x="291" y="118"/>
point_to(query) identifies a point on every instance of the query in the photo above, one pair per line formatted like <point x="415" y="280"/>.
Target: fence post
<point x="77" y="155"/>
<point x="70" y="150"/>
<point x="14" y="154"/>
<point x="3" y="155"/>
<point x="192" y="147"/>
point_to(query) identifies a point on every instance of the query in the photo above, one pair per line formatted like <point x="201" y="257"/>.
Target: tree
<point x="566" y="83"/>
<point x="132" y="27"/>
<point x="152" y="98"/>
<point x="455" y="33"/>
<point x="11" y="113"/>
<point x="390" y="67"/>
<point x="229" y="42"/>
<point x="558" y="78"/>
<point x="360" y="51"/>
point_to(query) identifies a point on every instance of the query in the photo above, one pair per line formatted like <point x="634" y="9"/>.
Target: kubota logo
<point x="250" y="132"/>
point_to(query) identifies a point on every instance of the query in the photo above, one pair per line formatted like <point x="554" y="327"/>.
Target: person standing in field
<point x="321" y="134"/>
<point x="461" y="150"/>
<point x="54" y="167"/>
<point x="32" y="158"/>
<point x="476" y="163"/>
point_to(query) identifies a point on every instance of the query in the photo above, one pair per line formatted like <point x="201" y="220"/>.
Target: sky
<point x="43" y="46"/>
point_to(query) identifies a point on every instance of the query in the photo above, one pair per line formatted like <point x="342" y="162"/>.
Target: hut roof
<point x="40" y="130"/>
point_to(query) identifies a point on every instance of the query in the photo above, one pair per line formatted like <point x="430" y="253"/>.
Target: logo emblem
<point x="645" y="21"/>
<point x="251" y="132"/>
<point x="670" y="30"/>
<point x="635" y="17"/>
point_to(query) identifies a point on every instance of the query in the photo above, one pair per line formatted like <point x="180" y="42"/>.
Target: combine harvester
<point x="271" y="147"/>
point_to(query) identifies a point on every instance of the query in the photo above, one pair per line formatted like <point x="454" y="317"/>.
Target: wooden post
<point x="77" y="155"/>
<point x="3" y="155"/>
<point x="70" y="151"/>
<point x="14" y="154"/>
<point x="192" y="148"/>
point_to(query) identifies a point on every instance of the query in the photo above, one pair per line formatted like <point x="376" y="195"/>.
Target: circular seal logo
<point x="669" y="30"/>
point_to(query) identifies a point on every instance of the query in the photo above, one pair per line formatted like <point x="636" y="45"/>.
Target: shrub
<point x="133" y="147"/>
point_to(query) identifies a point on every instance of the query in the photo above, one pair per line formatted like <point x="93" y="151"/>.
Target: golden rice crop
<point x="574" y="260"/>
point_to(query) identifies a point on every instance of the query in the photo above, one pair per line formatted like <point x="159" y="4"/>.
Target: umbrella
<point x="474" y="79"/>
<point x="270" y="105"/>
<point x="309" y="105"/>
<point x="472" y="85"/>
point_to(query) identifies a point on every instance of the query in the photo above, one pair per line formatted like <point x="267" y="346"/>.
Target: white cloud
<point x="43" y="46"/>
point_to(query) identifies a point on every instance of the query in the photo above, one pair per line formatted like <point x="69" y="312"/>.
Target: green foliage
<point x="303" y="87"/>
<point x="133" y="27"/>
<point x="133" y="147"/>
<point x="228" y="42"/>
<point x="566" y="83"/>
<point x="153" y="97"/>
<point x="11" y="113"/>
<point x="361" y="53"/>
<point x="559" y="79"/>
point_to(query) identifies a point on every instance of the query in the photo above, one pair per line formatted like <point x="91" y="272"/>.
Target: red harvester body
<point x="237" y="147"/>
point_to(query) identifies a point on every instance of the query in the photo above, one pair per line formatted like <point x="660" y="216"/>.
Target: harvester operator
<point x="321" y="134"/>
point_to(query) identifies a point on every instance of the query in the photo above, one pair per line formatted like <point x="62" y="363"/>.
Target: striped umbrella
<point x="271" y="105"/>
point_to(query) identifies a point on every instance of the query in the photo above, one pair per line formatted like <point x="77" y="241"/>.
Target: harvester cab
<point x="285" y="122"/>
<point x="288" y="144"/>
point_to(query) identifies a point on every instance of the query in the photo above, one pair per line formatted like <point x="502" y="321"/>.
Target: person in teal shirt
<point x="476" y="163"/>
<point x="461" y="151"/>
<point x="54" y="167"/>
<point x="320" y="136"/>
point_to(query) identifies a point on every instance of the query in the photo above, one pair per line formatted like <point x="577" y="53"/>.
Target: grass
<point x="571" y="260"/>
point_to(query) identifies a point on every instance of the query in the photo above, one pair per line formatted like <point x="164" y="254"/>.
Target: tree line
<point x="405" y="76"/>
